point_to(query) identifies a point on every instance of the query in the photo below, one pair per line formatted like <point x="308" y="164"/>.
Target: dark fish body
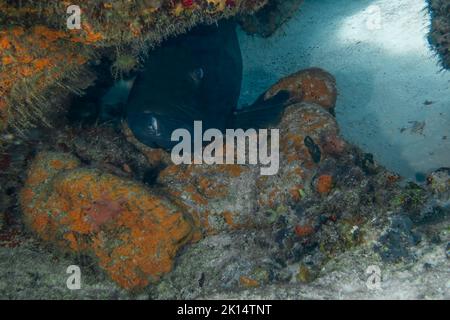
<point x="196" y="76"/>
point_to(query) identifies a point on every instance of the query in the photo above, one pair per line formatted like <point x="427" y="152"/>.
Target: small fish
<point x="194" y="77"/>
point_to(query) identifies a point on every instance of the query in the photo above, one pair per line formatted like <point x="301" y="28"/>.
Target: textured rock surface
<point x="345" y="277"/>
<point x="312" y="85"/>
<point x="248" y="264"/>
<point x="43" y="61"/>
<point x="235" y="196"/>
<point x="31" y="271"/>
<point x="271" y="17"/>
<point x="133" y="233"/>
<point x="225" y="231"/>
<point x="440" y="29"/>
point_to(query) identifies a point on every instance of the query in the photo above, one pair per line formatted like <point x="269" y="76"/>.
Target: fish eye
<point x="197" y="74"/>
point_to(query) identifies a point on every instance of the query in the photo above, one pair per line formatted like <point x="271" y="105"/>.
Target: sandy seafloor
<point x="394" y="97"/>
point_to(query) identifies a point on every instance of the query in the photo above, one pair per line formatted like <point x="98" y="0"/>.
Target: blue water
<point x="385" y="71"/>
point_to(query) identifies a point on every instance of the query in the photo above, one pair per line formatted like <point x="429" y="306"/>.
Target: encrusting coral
<point x="132" y="233"/>
<point x="42" y="60"/>
<point x="34" y="60"/>
<point x="312" y="85"/>
<point x="326" y="196"/>
<point x="226" y="197"/>
<point x="322" y="201"/>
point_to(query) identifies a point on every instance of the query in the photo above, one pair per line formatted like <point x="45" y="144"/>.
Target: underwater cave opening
<point x="102" y="103"/>
<point x="393" y="95"/>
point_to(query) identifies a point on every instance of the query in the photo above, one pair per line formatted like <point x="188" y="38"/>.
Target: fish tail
<point x="263" y="113"/>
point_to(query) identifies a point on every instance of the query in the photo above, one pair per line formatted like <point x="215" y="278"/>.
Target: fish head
<point x="155" y="130"/>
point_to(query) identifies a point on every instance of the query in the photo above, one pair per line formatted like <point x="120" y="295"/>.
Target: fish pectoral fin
<point x="263" y="113"/>
<point x="280" y="98"/>
<point x="186" y="111"/>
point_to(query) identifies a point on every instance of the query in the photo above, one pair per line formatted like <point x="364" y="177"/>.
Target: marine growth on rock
<point x="96" y="187"/>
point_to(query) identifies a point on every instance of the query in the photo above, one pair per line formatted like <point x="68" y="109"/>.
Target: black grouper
<point x="194" y="77"/>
